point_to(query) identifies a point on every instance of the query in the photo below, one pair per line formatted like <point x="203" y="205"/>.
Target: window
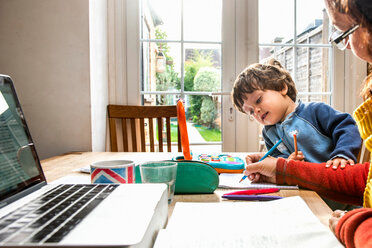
<point x="295" y="32"/>
<point x="181" y="57"/>
<point x="246" y="32"/>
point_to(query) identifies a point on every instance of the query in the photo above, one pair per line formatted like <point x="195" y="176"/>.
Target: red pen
<point x="253" y="191"/>
<point x="252" y="197"/>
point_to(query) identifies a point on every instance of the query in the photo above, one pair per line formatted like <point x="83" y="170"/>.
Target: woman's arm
<point x="354" y="228"/>
<point x="345" y="185"/>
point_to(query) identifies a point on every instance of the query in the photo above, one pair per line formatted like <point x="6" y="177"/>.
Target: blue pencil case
<point x="222" y="163"/>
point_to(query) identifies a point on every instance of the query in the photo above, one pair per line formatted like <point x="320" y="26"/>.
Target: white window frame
<point x="295" y="45"/>
<point x="240" y="48"/>
<point x="182" y="42"/>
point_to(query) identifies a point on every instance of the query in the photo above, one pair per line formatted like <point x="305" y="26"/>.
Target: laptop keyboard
<point x="51" y="216"/>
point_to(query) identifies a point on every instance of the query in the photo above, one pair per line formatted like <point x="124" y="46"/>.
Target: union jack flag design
<point x="113" y="175"/>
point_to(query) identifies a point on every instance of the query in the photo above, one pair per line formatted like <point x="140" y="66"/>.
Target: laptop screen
<point x="19" y="164"/>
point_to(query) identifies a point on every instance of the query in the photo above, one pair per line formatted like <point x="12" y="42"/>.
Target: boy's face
<point x="268" y="107"/>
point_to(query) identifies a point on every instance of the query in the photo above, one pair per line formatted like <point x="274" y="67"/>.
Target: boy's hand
<point x="253" y="158"/>
<point x="300" y="156"/>
<point x="263" y="171"/>
<point x="339" y="162"/>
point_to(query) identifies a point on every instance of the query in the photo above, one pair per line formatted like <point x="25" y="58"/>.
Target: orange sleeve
<point x="354" y="228"/>
<point x="342" y="185"/>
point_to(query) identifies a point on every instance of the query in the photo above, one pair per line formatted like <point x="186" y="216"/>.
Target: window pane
<point x="312" y="73"/>
<point x="204" y="114"/>
<point x="203" y="125"/>
<point x="160" y="99"/>
<point x="283" y="54"/>
<point x="276" y="21"/>
<point x="314" y="35"/>
<point x="304" y="97"/>
<point x="154" y="100"/>
<point x="186" y="63"/>
<point x="312" y="69"/>
<point x="310" y="18"/>
<point x="161" y="66"/>
<point x="202" y="67"/>
<point x="202" y="20"/>
<point x="164" y="15"/>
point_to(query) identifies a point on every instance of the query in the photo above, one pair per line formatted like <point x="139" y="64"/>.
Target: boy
<point x="268" y="93"/>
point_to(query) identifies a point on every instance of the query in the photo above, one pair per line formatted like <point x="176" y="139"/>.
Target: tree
<point x="169" y="78"/>
<point x="208" y="112"/>
<point x="207" y="79"/>
<point x="192" y="66"/>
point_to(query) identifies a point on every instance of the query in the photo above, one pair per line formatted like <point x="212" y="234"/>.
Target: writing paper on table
<point x="283" y="223"/>
<point x="231" y="181"/>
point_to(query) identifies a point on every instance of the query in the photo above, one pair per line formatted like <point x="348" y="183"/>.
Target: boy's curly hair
<point x="270" y="76"/>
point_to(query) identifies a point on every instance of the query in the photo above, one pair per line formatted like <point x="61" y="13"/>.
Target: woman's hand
<point x="253" y="158"/>
<point x="336" y="216"/>
<point x="339" y="162"/>
<point x="300" y="156"/>
<point x="263" y="171"/>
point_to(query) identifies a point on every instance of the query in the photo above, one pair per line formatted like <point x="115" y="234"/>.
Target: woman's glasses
<point x="338" y="37"/>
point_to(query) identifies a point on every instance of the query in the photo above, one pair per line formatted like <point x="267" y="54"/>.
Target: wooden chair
<point x="136" y="116"/>
<point x="364" y="155"/>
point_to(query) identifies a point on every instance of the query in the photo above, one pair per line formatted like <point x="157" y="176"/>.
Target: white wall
<point x="355" y="72"/>
<point x="348" y="77"/>
<point x="98" y="71"/>
<point x="44" y="47"/>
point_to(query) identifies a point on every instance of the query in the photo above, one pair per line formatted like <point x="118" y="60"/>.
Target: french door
<point x="190" y="50"/>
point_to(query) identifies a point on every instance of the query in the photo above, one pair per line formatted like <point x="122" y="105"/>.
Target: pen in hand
<point x="295" y="143"/>
<point x="265" y="156"/>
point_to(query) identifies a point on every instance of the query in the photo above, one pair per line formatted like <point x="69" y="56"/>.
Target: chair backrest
<point x="137" y="116"/>
<point x="364" y="155"/>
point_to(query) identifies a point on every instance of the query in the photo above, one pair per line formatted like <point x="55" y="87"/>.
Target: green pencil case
<point x="193" y="177"/>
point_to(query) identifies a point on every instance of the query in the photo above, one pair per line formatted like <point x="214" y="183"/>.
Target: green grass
<point x="209" y="134"/>
<point x="174" y="134"/>
<point x="206" y="133"/>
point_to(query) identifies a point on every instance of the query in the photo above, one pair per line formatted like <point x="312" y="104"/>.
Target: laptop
<point x="34" y="213"/>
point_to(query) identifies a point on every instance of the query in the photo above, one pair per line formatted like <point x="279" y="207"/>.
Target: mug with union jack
<point x="112" y="171"/>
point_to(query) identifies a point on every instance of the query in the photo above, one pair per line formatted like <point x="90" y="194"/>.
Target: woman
<point x="350" y="184"/>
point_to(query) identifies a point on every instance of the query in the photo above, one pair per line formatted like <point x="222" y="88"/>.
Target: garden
<point x="200" y="75"/>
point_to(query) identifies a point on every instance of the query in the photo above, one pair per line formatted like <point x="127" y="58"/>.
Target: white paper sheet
<point x="231" y="181"/>
<point x="283" y="223"/>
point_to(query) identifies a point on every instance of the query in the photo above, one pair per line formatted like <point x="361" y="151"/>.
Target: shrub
<point x="197" y="60"/>
<point x="207" y="79"/>
<point x="208" y="112"/>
